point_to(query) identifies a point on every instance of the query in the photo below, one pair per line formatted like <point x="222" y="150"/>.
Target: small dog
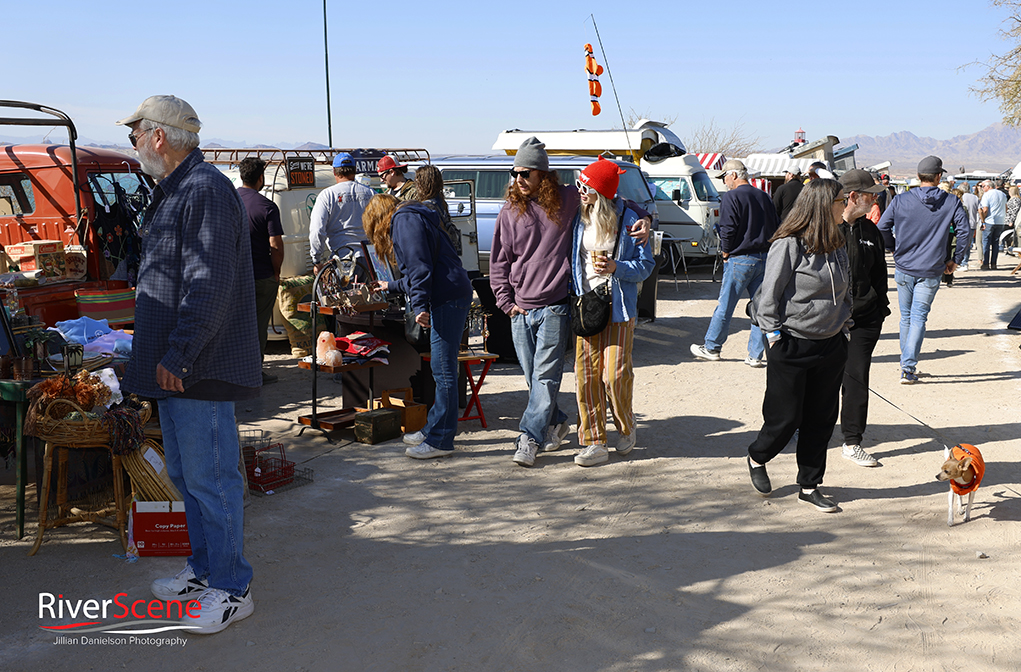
<point x="964" y="468"/>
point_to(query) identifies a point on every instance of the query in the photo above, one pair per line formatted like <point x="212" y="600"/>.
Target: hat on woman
<point x="603" y="176"/>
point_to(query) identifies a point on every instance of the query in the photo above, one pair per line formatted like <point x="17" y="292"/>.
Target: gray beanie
<point x="532" y="154"/>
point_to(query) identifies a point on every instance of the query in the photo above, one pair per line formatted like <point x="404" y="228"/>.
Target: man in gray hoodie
<point x="924" y="218"/>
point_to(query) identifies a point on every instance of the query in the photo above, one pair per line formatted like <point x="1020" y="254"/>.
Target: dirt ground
<point x="663" y="560"/>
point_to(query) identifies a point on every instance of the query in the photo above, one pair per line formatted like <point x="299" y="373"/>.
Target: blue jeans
<point x="447" y="320"/>
<point x="991" y="244"/>
<point x="540" y="340"/>
<point x="740" y="274"/>
<point x="915" y="296"/>
<point x="200" y="443"/>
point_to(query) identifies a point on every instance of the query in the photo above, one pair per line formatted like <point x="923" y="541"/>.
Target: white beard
<point x="152" y="163"/>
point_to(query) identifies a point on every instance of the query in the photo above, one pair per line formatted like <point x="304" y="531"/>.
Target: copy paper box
<point x="39" y="255"/>
<point x="160" y="528"/>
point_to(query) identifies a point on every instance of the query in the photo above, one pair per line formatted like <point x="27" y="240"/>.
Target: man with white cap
<point x="196" y="351"/>
<point x="787" y="192"/>
<point x="335" y="225"/>
<point x="747" y="221"/>
<point x="392" y="175"/>
<point x="922" y="219"/>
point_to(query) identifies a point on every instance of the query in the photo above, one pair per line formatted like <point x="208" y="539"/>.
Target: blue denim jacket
<point x="195" y="299"/>
<point x="634" y="264"/>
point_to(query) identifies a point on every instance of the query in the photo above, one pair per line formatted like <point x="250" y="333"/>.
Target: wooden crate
<point x="413" y="414"/>
<point x="375" y="426"/>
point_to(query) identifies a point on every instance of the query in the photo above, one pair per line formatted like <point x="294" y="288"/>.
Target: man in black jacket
<point x="787" y="193"/>
<point x="870" y="305"/>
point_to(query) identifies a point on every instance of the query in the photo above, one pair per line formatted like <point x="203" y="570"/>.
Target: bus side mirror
<point x="675" y="195"/>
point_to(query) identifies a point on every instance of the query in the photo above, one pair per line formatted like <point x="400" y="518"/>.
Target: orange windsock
<point x="595" y="89"/>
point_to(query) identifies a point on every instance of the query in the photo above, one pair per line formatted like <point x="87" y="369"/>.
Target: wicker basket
<point x="82" y="433"/>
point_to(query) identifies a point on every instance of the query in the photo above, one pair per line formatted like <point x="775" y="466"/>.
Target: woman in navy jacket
<point x="603" y="365"/>
<point x="440" y="293"/>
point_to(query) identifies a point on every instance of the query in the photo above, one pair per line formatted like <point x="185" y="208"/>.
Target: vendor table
<point x="16" y="391"/>
<point x="467" y="359"/>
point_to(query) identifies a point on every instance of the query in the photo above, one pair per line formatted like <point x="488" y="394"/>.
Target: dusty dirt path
<point x="664" y="560"/>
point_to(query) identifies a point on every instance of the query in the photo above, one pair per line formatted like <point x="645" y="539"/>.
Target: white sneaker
<point x="592" y="455"/>
<point x="218" y="609"/>
<point x="414" y="438"/>
<point x="700" y="352"/>
<point x="755" y="363"/>
<point x="424" y="451"/>
<point x="859" y="456"/>
<point x="174" y="588"/>
<point x="556" y="436"/>
<point x="626" y="443"/>
<point x="526" y="450"/>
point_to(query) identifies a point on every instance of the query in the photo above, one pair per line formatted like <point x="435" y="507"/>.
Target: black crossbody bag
<point x="591" y="312"/>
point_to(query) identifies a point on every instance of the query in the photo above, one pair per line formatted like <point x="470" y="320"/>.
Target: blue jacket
<point x="923" y="217"/>
<point x="430" y="268"/>
<point x="634" y="264"/>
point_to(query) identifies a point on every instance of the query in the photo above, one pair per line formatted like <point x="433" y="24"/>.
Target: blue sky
<point x="448" y="76"/>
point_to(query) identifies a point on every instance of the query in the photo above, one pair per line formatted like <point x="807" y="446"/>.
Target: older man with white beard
<point x="870" y="305"/>
<point x="196" y="351"/>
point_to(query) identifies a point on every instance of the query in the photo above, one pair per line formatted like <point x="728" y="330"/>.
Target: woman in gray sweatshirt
<point x="804" y="308"/>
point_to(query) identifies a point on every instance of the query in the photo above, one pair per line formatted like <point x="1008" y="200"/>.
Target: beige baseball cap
<point x="169" y="110"/>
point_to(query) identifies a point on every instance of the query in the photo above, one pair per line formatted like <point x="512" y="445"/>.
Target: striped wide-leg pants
<point x="604" y="372"/>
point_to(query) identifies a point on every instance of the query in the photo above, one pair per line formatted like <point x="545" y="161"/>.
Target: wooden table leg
<point x="45" y="501"/>
<point x="476" y="387"/>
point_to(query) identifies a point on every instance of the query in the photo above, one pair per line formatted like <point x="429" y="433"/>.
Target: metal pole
<point x="326" y="53"/>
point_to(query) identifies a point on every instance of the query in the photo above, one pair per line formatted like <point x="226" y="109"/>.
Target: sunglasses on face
<point x="583" y="188"/>
<point x="137" y="135"/>
<point x="523" y="174"/>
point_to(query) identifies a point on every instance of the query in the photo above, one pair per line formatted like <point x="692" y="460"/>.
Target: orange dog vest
<point x="977" y="463"/>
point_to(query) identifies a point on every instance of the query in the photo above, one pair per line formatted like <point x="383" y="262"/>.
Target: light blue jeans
<point x="447" y="320"/>
<point x="200" y="443"/>
<point x="741" y="274"/>
<point x="915" y="297"/>
<point x="540" y="340"/>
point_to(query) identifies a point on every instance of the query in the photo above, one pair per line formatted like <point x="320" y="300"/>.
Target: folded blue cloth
<point x="83" y="330"/>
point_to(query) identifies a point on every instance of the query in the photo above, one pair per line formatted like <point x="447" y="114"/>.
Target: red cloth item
<point x="603" y="176"/>
<point x="362" y="344"/>
<point x="977" y="463"/>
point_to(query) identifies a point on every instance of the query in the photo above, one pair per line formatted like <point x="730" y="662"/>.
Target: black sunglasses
<point x="134" y="137"/>
<point x="523" y="174"/>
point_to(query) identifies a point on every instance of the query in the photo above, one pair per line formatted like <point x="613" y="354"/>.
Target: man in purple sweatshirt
<point x="529" y="271"/>
<point x="922" y="220"/>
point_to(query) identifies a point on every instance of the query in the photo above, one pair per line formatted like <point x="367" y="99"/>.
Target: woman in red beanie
<point x="602" y="252"/>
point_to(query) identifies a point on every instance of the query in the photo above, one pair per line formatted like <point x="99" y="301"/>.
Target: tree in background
<point x="1002" y="80"/>
<point x="732" y="142"/>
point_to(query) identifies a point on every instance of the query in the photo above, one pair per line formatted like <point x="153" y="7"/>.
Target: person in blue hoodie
<point x="601" y="253"/>
<point x="916" y="226"/>
<point x="440" y="293"/>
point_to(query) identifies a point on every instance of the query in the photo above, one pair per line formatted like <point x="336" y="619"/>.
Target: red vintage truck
<point x="89" y="199"/>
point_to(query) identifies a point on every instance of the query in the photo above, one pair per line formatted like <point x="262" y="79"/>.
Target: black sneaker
<point x="816" y="499"/>
<point x="760" y="479"/>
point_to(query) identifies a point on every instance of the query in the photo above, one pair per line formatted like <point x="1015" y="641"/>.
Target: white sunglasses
<point x="584" y="188"/>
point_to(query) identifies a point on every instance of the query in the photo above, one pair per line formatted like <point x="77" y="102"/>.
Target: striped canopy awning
<point x="712" y="161"/>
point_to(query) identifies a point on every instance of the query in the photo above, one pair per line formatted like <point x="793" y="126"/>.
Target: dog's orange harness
<point x="977" y="463"/>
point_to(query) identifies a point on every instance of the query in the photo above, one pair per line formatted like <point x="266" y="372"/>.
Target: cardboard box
<point x="39" y="255"/>
<point x="160" y="528"/>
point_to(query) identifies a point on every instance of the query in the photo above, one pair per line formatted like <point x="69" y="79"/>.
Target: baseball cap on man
<point x="794" y="170"/>
<point x="931" y="165"/>
<point x="860" y="180"/>
<point x="730" y="165"/>
<point x="167" y="110"/>
<point x="388" y="163"/>
<point x="343" y="160"/>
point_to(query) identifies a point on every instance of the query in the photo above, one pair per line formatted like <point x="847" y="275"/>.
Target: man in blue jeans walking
<point x="747" y="222"/>
<point x="923" y="218"/>
<point x="196" y="351"/>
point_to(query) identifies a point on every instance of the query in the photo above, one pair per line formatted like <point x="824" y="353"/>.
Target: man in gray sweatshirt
<point x="923" y="218"/>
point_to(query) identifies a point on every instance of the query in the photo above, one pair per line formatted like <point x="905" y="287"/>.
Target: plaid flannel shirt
<point x="195" y="299"/>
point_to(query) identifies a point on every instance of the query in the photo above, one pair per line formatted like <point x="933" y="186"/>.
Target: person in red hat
<point x="392" y="175"/>
<point x="603" y="254"/>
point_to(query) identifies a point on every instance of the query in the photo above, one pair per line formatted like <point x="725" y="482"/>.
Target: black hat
<point x="859" y="180"/>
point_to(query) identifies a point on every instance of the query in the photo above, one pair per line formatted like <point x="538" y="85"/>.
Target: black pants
<point x="802" y="393"/>
<point x="854" y="399"/>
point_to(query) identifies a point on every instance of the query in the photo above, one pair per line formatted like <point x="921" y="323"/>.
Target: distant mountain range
<point x="993" y="149"/>
<point x="213" y="143"/>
